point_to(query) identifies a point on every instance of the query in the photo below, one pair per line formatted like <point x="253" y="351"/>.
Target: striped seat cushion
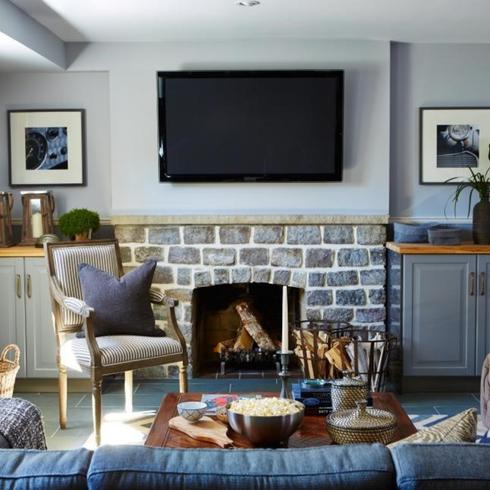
<point x="116" y="349"/>
<point x="66" y="261"/>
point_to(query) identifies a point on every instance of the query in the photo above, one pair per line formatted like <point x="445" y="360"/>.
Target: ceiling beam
<point x="19" y="26"/>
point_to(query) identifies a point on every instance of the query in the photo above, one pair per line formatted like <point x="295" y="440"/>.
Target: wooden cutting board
<point x="206" y="429"/>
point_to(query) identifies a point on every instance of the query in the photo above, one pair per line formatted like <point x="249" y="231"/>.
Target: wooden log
<point x="223" y="345"/>
<point x="244" y="341"/>
<point x="253" y="327"/>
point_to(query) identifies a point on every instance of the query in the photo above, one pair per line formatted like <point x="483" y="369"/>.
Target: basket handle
<point x="9" y="348"/>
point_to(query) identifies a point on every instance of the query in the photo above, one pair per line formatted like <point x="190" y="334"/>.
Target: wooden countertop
<point x="427" y="248"/>
<point x="21" y="251"/>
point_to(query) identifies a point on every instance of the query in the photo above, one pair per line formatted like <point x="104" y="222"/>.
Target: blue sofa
<point x="452" y="466"/>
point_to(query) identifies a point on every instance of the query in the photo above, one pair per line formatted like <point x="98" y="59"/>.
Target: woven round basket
<point x="8" y="370"/>
<point x="347" y="391"/>
<point x="361" y="425"/>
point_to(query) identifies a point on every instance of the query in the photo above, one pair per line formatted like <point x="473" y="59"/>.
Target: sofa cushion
<point x="122" y="305"/>
<point x="44" y="470"/>
<point x="442" y="466"/>
<point x="327" y="467"/>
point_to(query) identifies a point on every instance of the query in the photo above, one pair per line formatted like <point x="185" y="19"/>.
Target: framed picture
<point x="451" y="140"/>
<point x="46" y="147"/>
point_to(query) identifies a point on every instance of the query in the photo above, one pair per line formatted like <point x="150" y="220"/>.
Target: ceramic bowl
<point x="192" y="411"/>
<point x="267" y="431"/>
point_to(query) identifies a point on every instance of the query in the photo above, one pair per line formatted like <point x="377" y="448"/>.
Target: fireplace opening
<point x="237" y="328"/>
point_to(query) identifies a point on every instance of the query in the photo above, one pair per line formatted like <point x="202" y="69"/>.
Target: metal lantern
<point x="37" y="215"/>
<point x="6" y="233"/>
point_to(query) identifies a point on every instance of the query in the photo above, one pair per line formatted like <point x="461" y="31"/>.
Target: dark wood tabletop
<point x="313" y="431"/>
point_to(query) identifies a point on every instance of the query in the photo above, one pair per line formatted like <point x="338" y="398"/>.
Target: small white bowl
<point x="192" y="411"/>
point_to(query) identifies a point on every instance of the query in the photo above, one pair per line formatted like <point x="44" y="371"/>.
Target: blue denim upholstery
<point x="321" y="468"/>
<point x="44" y="470"/>
<point x="442" y="466"/>
<point x="418" y="467"/>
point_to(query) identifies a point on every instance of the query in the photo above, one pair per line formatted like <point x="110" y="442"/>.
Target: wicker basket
<point x="362" y="425"/>
<point x="8" y="370"/>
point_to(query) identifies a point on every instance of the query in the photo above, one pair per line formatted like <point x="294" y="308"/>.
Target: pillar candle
<point x="37" y="225"/>
<point x="285" y="326"/>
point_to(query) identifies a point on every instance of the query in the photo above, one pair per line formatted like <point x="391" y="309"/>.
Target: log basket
<point x="327" y="349"/>
<point x="8" y="370"/>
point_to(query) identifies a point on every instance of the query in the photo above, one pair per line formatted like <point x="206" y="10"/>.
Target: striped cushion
<point x="118" y="348"/>
<point x="66" y="261"/>
<point x="459" y="428"/>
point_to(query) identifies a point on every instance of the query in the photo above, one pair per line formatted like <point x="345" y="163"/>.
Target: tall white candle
<point x="285" y="329"/>
<point x="37" y="225"/>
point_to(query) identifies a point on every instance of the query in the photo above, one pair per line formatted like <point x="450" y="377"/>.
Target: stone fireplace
<point x="339" y="268"/>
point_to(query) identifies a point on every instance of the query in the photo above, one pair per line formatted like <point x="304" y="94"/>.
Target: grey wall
<point x="122" y="124"/>
<point x="89" y="91"/>
<point x="133" y="113"/>
<point x="429" y="75"/>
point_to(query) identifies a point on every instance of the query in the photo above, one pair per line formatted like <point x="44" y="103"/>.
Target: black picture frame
<point x="55" y="140"/>
<point x="440" y="156"/>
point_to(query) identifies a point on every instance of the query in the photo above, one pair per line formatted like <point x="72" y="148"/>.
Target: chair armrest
<point x="159" y="298"/>
<point x="73" y="304"/>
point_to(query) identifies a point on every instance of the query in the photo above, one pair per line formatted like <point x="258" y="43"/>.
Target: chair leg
<point x="183" y="377"/>
<point x="97" y="408"/>
<point x="128" y="391"/>
<point x="62" y="397"/>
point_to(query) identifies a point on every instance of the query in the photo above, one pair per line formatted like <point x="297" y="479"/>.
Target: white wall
<point x="133" y="114"/>
<point x="89" y="91"/>
<point x="445" y="75"/>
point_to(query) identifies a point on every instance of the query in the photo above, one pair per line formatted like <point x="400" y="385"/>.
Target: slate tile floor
<point x="148" y="394"/>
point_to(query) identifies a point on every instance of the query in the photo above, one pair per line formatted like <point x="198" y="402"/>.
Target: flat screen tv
<point x="250" y="125"/>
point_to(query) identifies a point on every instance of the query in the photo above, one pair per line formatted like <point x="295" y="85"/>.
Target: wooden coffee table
<point x="312" y="432"/>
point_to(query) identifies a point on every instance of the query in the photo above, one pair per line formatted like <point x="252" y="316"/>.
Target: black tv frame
<point x="334" y="176"/>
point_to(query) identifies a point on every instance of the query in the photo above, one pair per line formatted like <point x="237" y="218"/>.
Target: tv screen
<point x="251" y="126"/>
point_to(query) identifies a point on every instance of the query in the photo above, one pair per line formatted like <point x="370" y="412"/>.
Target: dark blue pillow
<point x="122" y="305"/>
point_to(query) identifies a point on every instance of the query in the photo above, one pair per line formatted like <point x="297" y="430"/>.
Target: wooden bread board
<point x="206" y="429"/>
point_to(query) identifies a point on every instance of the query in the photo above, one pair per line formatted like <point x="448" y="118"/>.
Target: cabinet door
<point x="12" y="317"/>
<point x="483" y="312"/>
<point x="439" y="315"/>
<point x="41" y="339"/>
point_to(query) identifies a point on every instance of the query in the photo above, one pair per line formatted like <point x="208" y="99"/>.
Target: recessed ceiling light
<point x="248" y="3"/>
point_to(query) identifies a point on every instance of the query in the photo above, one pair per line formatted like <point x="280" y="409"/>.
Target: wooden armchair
<point x="111" y="354"/>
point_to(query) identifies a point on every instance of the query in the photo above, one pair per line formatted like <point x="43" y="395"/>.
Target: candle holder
<point x="37" y="215"/>
<point x="284" y="374"/>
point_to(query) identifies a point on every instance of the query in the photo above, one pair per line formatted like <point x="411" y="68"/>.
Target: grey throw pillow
<point x="122" y="305"/>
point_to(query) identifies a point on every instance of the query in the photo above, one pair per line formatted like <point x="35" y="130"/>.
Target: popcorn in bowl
<point x="264" y="407"/>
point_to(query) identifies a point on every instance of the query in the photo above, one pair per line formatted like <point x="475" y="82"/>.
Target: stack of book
<point x="314" y="396"/>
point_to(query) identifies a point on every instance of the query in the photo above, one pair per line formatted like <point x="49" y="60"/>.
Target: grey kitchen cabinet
<point x="439" y="306"/>
<point x="25" y="316"/>
<point x="439" y="315"/>
<point x="483" y="311"/>
<point x="12" y="307"/>
<point x="40" y="336"/>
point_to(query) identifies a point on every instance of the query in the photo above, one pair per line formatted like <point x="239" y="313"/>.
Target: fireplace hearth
<point x="222" y="344"/>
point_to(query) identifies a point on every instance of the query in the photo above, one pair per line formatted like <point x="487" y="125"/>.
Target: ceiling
<point x="14" y="56"/>
<point x="439" y="21"/>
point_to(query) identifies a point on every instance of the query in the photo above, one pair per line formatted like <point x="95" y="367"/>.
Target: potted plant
<point x="79" y="224"/>
<point x="480" y="183"/>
